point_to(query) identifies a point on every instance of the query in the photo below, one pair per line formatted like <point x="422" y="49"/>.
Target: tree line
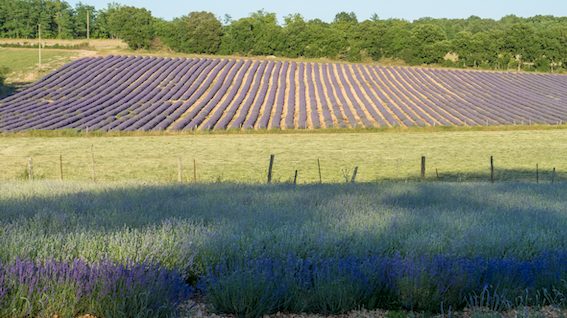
<point x="537" y="43"/>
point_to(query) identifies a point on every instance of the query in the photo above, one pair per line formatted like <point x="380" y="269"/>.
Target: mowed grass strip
<point x="456" y="155"/>
<point x="23" y="62"/>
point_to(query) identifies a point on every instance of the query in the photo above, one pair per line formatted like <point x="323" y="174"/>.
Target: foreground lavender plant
<point x="104" y="289"/>
<point x="335" y="285"/>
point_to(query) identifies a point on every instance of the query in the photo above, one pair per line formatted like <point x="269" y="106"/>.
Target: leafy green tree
<point x="198" y="32"/>
<point x="295" y="36"/>
<point x="429" y="45"/>
<point x="258" y="34"/>
<point x="82" y="11"/>
<point x="519" y="40"/>
<point x="348" y="18"/>
<point x="101" y="27"/>
<point x="133" y="25"/>
<point x="477" y="49"/>
<point x="370" y="38"/>
<point x="323" y="41"/>
<point x="396" y="39"/>
<point x="344" y="29"/>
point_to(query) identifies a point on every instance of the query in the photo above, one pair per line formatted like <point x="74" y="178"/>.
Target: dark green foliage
<point x="133" y="25"/>
<point x="198" y="32"/>
<point x="258" y="34"/>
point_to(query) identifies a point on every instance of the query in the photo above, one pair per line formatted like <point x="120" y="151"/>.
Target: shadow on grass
<point x="138" y="205"/>
<point x="542" y="175"/>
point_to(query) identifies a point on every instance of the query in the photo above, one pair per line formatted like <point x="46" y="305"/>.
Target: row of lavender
<point x="441" y="283"/>
<point x="104" y="289"/>
<point x="258" y="286"/>
<point x="136" y="93"/>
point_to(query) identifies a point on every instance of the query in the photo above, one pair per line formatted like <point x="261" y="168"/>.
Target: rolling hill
<point x="122" y="93"/>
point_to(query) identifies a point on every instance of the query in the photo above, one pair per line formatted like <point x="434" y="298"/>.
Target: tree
<point x="133" y="25"/>
<point x="396" y="39"/>
<point x="345" y="32"/>
<point x="429" y="45"/>
<point x="346" y="18"/>
<point x="295" y="36"/>
<point x="82" y="11"/>
<point x="258" y="34"/>
<point x="323" y="41"/>
<point x="370" y="38"/>
<point x="519" y="40"/>
<point x="198" y="32"/>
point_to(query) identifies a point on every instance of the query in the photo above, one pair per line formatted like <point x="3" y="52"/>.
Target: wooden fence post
<point x="194" y="171"/>
<point x="537" y="172"/>
<point x="30" y="169"/>
<point x="319" y="167"/>
<point x="179" y="170"/>
<point x="492" y="169"/>
<point x="553" y="175"/>
<point x="93" y="164"/>
<point x="422" y="167"/>
<point x="60" y="167"/>
<point x="437" y="173"/>
<point x="295" y="178"/>
<point x="353" y="179"/>
<point x="270" y="167"/>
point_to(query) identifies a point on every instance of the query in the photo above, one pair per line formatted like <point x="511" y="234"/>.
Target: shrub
<point x="105" y="289"/>
<point x="337" y="285"/>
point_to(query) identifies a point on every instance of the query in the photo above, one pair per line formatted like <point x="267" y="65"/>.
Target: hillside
<point x="122" y="93"/>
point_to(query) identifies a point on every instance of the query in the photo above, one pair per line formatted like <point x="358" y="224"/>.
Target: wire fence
<point x="279" y="167"/>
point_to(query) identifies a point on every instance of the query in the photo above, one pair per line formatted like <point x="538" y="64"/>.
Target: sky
<point x="326" y="9"/>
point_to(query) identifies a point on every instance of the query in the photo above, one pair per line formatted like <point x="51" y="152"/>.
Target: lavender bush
<point x="104" y="289"/>
<point x="337" y="285"/>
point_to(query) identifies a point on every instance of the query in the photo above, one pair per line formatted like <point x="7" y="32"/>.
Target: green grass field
<point x="23" y="62"/>
<point x="457" y="156"/>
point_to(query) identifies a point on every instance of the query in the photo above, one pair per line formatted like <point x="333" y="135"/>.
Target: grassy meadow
<point x="251" y="250"/>
<point x="454" y="155"/>
<point x="23" y="62"/>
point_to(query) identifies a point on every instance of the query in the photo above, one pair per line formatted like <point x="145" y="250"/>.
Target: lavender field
<point x="120" y="93"/>
<point x="137" y="249"/>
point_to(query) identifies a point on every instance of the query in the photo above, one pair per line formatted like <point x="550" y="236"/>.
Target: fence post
<point x="272" y="157"/>
<point x="437" y="173"/>
<point x="194" y="171"/>
<point x="295" y="178"/>
<point x="319" y="167"/>
<point x="30" y="169"/>
<point x="93" y="164"/>
<point x="60" y="167"/>
<point x="492" y="169"/>
<point x="179" y="170"/>
<point x="537" y="172"/>
<point x="553" y="175"/>
<point x="422" y="167"/>
<point x="353" y="179"/>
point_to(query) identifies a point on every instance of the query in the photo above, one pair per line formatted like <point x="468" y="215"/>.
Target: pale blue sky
<point x="326" y="9"/>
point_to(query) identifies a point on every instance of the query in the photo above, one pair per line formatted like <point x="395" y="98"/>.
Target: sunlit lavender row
<point x="120" y="93"/>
